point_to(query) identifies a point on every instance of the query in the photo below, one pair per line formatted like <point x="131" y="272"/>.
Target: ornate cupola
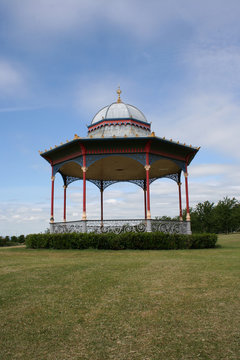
<point x="119" y="119"/>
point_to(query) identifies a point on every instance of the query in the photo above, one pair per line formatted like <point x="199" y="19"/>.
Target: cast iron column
<point x="145" y="200"/>
<point x="84" y="215"/>
<point x="64" y="201"/>
<point x="52" y="198"/>
<point x="180" y="201"/>
<point x="187" y="198"/>
<point x="188" y="219"/>
<point x="101" y="190"/>
<point x="147" y="168"/>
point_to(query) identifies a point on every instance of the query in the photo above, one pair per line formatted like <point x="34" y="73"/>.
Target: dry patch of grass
<point x="59" y="305"/>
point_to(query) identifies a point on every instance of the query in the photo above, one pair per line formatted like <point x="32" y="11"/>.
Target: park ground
<point x="99" y="305"/>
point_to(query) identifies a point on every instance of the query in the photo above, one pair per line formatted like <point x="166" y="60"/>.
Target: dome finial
<point x="119" y="93"/>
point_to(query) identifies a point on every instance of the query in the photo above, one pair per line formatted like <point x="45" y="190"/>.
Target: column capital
<point x="64" y="186"/>
<point x="52" y="178"/>
<point x="84" y="169"/>
<point x="179" y="183"/>
<point x="147" y="167"/>
<point x="185" y="174"/>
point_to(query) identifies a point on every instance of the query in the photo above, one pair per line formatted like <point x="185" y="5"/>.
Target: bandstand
<point x="120" y="147"/>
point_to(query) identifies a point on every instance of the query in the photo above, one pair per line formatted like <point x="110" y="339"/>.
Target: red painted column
<point x="84" y="169"/>
<point x="101" y="190"/>
<point x="52" y="198"/>
<point x="145" y="200"/>
<point x="84" y="215"/>
<point x="64" y="202"/>
<point x="180" y="201"/>
<point x="187" y="197"/>
<point x="147" y="168"/>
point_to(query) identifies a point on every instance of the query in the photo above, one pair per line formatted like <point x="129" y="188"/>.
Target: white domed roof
<point x="119" y="110"/>
<point x="118" y="120"/>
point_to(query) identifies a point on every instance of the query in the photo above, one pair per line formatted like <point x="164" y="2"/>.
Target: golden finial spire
<point x="119" y="93"/>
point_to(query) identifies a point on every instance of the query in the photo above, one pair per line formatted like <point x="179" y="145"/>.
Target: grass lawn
<point x="143" y="305"/>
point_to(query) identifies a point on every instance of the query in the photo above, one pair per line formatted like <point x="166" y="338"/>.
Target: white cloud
<point x="53" y="15"/>
<point x="205" y="170"/>
<point x="214" y="67"/>
<point x="12" y="80"/>
<point x="205" y="119"/>
<point x="137" y="18"/>
<point x="94" y="92"/>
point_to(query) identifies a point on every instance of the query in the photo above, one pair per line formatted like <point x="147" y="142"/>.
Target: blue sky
<point x="61" y="61"/>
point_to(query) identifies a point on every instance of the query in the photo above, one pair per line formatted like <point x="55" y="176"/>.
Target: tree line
<point x="207" y="217"/>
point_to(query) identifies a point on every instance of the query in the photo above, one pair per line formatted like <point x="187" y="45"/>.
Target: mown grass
<point x="91" y="304"/>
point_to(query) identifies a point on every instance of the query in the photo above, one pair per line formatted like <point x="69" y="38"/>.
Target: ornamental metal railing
<point x="121" y="226"/>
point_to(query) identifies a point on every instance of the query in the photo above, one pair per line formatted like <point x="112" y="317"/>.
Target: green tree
<point x="227" y="215"/>
<point x="204" y="213"/>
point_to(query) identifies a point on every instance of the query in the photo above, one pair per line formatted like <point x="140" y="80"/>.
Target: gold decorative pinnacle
<point x="55" y="146"/>
<point x="45" y="150"/>
<point x="177" y="142"/>
<point x="119" y="93"/>
<point x="199" y="148"/>
<point x="67" y="141"/>
<point x="164" y="138"/>
<point x="170" y="140"/>
<point x="61" y="143"/>
<point x="76" y="136"/>
<point x="50" y="148"/>
<point x="153" y="134"/>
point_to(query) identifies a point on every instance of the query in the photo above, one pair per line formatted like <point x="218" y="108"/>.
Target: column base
<point x="84" y="226"/>
<point x="189" y="231"/>
<point x="188" y="218"/>
<point x="51" y="220"/>
<point x="180" y="218"/>
<point x="148" y="226"/>
<point x="84" y="216"/>
<point x="51" y="228"/>
<point x="148" y="215"/>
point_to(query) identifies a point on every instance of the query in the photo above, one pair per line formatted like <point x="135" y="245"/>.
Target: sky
<point x="178" y="61"/>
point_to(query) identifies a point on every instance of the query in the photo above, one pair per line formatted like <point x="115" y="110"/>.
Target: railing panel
<point x="121" y="226"/>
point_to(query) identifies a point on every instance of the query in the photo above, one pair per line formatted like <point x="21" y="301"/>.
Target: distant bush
<point x="11" y="241"/>
<point x="111" y="241"/>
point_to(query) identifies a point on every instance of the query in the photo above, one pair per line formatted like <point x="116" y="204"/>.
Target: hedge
<point x="111" y="241"/>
